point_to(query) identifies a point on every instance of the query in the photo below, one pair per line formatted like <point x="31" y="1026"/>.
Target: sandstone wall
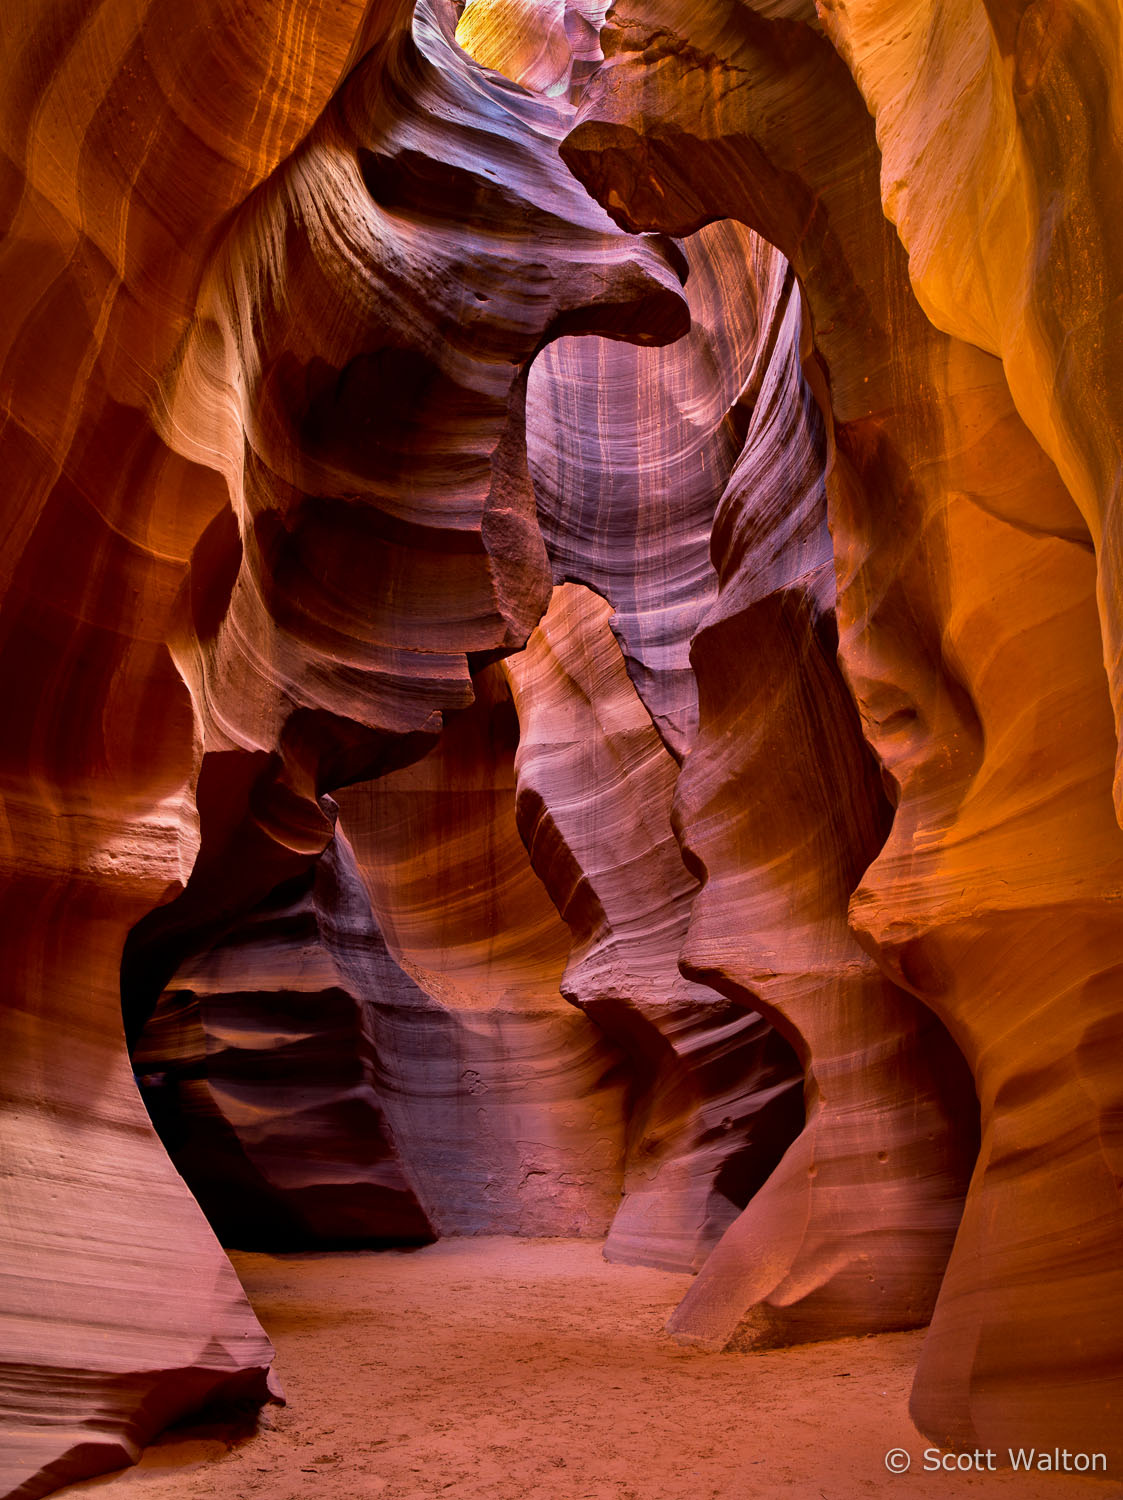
<point x="203" y="300"/>
<point x="967" y="611"/>
<point x="340" y="366"/>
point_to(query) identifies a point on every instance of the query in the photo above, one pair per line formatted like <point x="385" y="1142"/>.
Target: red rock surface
<point x="630" y="449"/>
<point x="199" y="295"/>
<point x="128" y="136"/>
<point x="780" y="807"/>
<point x="954" y="542"/>
<point x="1008" y="218"/>
<point x="717" y="1099"/>
<point x="509" y="1105"/>
<point x="813" y="731"/>
<point x="258" y="1069"/>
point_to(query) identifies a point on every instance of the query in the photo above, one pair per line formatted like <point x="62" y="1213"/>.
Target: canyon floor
<point x="512" y="1369"/>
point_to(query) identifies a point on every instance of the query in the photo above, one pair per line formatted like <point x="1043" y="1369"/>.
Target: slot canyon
<point x="561" y="642"/>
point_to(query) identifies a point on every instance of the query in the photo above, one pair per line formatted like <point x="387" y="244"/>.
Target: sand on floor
<point x="513" y="1369"/>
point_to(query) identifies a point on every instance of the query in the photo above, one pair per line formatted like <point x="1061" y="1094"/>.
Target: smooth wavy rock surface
<point x="993" y="122"/>
<point x="232" y="315"/>
<point x="257" y="1068"/>
<point x="127" y="135"/>
<point x="508" y="1103"/>
<point x="386" y="525"/>
<point x="525" y="40"/>
<point x="780" y="806"/>
<point x="630" y="450"/>
<point x="299" y="443"/>
<point x="928" y="451"/>
<point x="719" y="1096"/>
<point x="363" y="371"/>
<point x="549" y="47"/>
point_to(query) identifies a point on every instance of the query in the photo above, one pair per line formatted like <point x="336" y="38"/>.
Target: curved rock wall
<point x="298" y="436"/>
<point x="781" y="807"/>
<point x="508" y="1103"/>
<point x="196" y="536"/>
<point x="258" y="1069"/>
<point x="128" y="135"/>
<point x="471" y="1006"/>
<point x="630" y="449"/>
<point x="717" y="1096"/>
<point x="994" y="123"/>
<point x="627" y="484"/>
<point x="934" y="487"/>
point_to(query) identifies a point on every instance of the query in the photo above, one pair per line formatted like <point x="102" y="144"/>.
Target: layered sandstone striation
<point x="211" y="560"/>
<point x="381" y="1045"/>
<point x="508" y="1104"/>
<point x="258" y="1069"/>
<point x="780" y="806"/>
<point x="630" y="450"/>
<point x="346" y="352"/>
<point x="954" y="543"/>
<point x="716" y="1097"/>
<point x="993" y="123"/>
<point x="127" y="137"/>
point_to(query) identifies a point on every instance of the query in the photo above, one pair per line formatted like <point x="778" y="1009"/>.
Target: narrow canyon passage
<point x="510" y="1369"/>
<point x="561" y="821"/>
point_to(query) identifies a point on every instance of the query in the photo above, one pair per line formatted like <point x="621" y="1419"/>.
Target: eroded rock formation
<point x="993" y="123"/>
<point x="128" y="135"/>
<point x="630" y="450"/>
<point x="717" y="1101"/>
<point x="258" y="1068"/>
<point x="193" y="327"/>
<point x="780" y="805"/>
<point x="509" y="1104"/>
<point x="326" y="384"/>
<point x="934" y="486"/>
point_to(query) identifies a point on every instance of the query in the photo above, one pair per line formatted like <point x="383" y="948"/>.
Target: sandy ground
<point x="533" y="1370"/>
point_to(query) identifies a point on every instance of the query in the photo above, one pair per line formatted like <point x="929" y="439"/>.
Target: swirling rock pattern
<point x="361" y="372"/>
<point x="719" y="1103"/>
<point x="549" y="47"/>
<point x="1009" y="217"/>
<point x="630" y="450"/>
<point x="780" y="805"/>
<point x="128" y="135"/>
<point x="385" y="514"/>
<point x="719" y="1098"/>
<point x="201" y="528"/>
<point x="258" y="1069"/>
<point x="291" y="295"/>
<point x="927" y="451"/>
<point x="508" y="1103"/>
